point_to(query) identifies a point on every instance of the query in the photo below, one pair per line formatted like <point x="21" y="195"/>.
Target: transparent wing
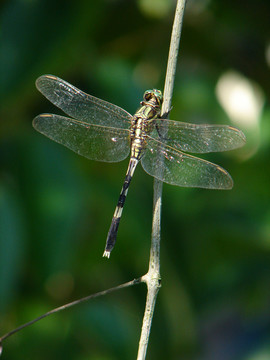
<point x="176" y="168"/>
<point x="80" y="105"/>
<point x="92" y="141"/>
<point x="198" y="138"/>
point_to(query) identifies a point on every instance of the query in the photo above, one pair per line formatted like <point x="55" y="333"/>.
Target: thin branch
<point x="69" y="305"/>
<point x="152" y="278"/>
<point x="173" y="55"/>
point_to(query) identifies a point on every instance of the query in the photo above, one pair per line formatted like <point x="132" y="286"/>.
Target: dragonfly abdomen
<point x="141" y="125"/>
<point x="111" y="238"/>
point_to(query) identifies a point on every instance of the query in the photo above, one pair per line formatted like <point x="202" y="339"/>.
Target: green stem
<point x="152" y="278"/>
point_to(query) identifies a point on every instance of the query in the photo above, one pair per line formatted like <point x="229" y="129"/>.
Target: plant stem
<point x="69" y="305"/>
<point x="152" y="278"/>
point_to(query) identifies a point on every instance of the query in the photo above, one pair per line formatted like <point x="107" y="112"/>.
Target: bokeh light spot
<point x="240" y="98"/>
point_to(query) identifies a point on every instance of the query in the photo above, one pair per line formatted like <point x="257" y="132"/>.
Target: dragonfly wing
<point x="176" y="168"/>
<point x="80" y="105"/>
<point x="91" y="141"/>
<point x="198" y="138"/>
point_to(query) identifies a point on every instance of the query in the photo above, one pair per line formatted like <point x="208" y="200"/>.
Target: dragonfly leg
<point x="161" y="136"/>
<point x="164" y="116"/>
<point x="158" y="131"/>
<point x="111" y="238"/>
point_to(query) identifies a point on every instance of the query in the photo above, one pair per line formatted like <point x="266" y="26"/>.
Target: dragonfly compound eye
<point x="158" y="95"/>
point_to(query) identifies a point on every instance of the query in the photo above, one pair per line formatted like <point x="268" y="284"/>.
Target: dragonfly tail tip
<point x="106" y="254"/>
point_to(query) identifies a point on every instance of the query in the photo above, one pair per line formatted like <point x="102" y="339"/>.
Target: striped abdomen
<point x="111" y="238"/>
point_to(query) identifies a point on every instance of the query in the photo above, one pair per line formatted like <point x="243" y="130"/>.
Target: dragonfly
<point x="101" y="131"/>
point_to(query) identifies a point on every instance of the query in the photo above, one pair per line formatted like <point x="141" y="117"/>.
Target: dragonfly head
<point x="154" y="95"/>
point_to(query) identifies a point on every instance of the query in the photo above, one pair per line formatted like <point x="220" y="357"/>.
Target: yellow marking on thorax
<point x="142" y="125"/>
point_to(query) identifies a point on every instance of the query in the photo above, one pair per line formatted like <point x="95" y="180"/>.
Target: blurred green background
<point x="56" y="207"/>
